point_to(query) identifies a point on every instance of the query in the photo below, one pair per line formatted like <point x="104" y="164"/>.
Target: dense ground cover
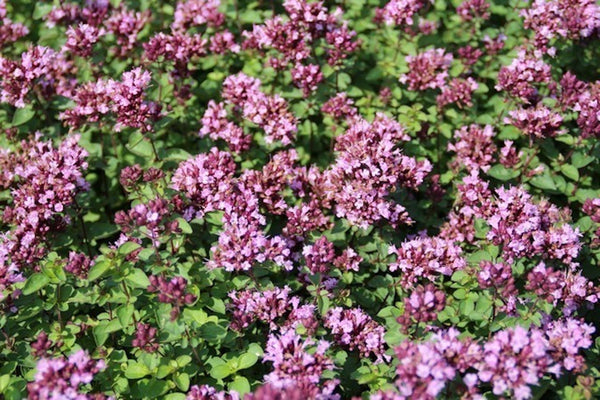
<point x="299" y="200"/>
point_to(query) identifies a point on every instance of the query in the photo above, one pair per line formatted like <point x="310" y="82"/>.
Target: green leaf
<point x="221" y="371"/>
<point x="502" y="173"/>
<point x="136" y="371"/>
<point x="176" y="396"/>
<point x="247" y="360"/>
<point x="125" y="314"/>
<point x="581" y="159"/>
<point x="23" y="115"/>
<point x="544" y="181"/>
<point x="184" y="226"/>
<point x="177" y="155"/>
<point x="4" y="380"/>
<point x="240" y="385"/>
<point x="212" y="332"/>
<point x="570" y="172"/>
<point x="102" y="230"/>
<point x="128" y="247"/>
<point x="103" y="329"/>
<point x="137" y="279"/>
<point x="98" y="270"/>
<point x="40" y="10"/>
<point x="35" y="282"/>
<point x="182" y="361"/>
<point x="140" y="145"/>
<point x="182" y="380"/>
<point x="467" y="306"/>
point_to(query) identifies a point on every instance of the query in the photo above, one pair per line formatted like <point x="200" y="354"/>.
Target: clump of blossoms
<point x="423" y="305"/>
<point x="152" y="220"/>
<point x="307" y="78"/>
<point x="474" y="147"/>
<point x="319" y="256"/>
<point x="427" y="70"/>
<point x="171" y="291"/>
<point x="427" y="258"/>
<point x="527" y="229"/>
<point x="401" y="12"/>
<point x="44" y="181"/>
<point x="124" y="99"/>
<point x="192" y="13"/>
<point x="271" y="113"/>
<point x="78" y="264"/>
<point x="81" y="39"/>
<point x="458" y="92"/>
<point x="292" y="39"/>
<point x="355" y="329"/>
<point x="368" y="168"/>
<point x="205" y="180"/>
<point x="513" y="359"/>
<point x="293" y="365"/>
<point x="63" y="377"/>
<point x="216" y="125"/>
<point x="339" y="107"/>
<point x="10" y="31"/>
<point x="473" y="200"/>
<point x="265" y="306"/>
<point x="523" y="76"/>
<point x="499" y="278"/>
<point x="145" y="338"/>
<point x="425" y="368"/>
<point x="568" y="287"/>
<point x="305" y="218"/>
<point x="206" y="392"/>
<point x="539" y="122"/>
<point x="473" y="9"/>
<point x="550" y="19"/>
<point x="242" y="242"/>
<point x="270" y="182"/>
<point x="40" y="70"/>
<point x="566" y="338"/>
<point x="587" y="106"/>
<point x="126" y="26"/>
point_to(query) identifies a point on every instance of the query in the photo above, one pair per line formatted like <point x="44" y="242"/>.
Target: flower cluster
<point x="266" y="306"/>
<point x="123" y="99"/>
<point x="268" y="112"/>
<point x="527" y="229"/>
<point x="145" y="338"/>
<point x="368" y="168"/>
<point x="216" y="126"/>
<point x="62" y="377"/>
<point x="423" y="305"/>
<point x="171" y="291"/>
<point x="539" y="122"/>
<point x="474" y="147"/>
<point x="427" y="70"/>
<point x="293" y="365"/>
<point x="519" y="79"/>
<point x="40" y="70"/>
<point x="44" y="181"/>
<point x="426" y="258"/>
<point x="458" y="91"/>
<point x="550" y="19"/>
<point x="356" y="330"/>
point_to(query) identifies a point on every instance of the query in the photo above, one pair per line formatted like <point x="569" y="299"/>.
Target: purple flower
<point x="62" y="377"/>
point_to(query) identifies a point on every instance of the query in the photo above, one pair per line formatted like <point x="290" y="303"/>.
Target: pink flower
<point x="427" y="70"/>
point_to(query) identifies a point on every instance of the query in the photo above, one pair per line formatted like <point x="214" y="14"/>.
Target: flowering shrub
<point x="307" y="199"/>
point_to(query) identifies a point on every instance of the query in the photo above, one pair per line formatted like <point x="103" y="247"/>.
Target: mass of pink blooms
<point x="301" y="200"/>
